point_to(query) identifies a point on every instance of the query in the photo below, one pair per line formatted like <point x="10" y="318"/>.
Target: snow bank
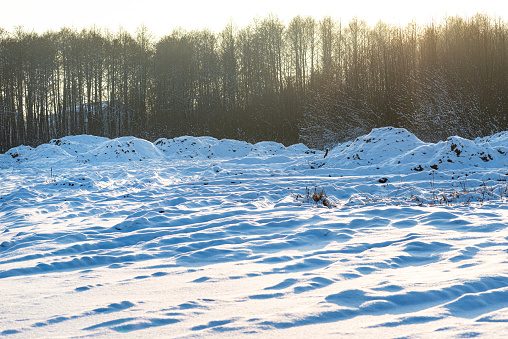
<point x="387" y="149"/>
<point x="91" y="149"/>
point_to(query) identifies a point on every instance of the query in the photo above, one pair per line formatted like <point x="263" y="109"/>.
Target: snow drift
<point x="195" y="236"/>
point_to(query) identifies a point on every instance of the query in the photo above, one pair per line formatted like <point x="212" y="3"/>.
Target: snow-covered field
<point x="385" y="237"/>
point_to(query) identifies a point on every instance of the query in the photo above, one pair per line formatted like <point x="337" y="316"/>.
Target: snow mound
<point x="227" y="148"/>
<point x="186" y="147"/>
<point x="122" y="149"/>
<point x="396" y="149"/>
<point x="496" y="140"/>
<point x="454" y="153"/>
<point x="267" y="148"/>
<point x="63" y="149"/>
<point x="375" y="148"/>
<point x="15" y="155"/>
<point x="45" y="153"/>
<point x="86" y="148"/>
<point x="388" y="149"/>
<point x="300" y="148"/>
<point x="270" y="148"/>
<point x="209" y="148"/>
<point x="77" y="144"/>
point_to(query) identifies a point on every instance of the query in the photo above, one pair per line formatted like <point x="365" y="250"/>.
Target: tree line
<point x="317" y="82"/>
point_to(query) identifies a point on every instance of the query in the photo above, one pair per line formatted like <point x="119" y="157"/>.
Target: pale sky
<point x="161" y="17"/>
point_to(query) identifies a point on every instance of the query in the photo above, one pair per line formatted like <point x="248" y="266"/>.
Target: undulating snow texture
<point x="386" y="236"/>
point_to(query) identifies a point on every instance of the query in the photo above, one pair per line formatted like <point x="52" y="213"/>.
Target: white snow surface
<point x="199" y="237"/>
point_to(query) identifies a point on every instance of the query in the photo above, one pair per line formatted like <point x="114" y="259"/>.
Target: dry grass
<point x="316" y="196"/>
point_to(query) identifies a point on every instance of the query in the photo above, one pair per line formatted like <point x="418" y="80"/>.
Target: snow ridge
<point x="389" y="149"/>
